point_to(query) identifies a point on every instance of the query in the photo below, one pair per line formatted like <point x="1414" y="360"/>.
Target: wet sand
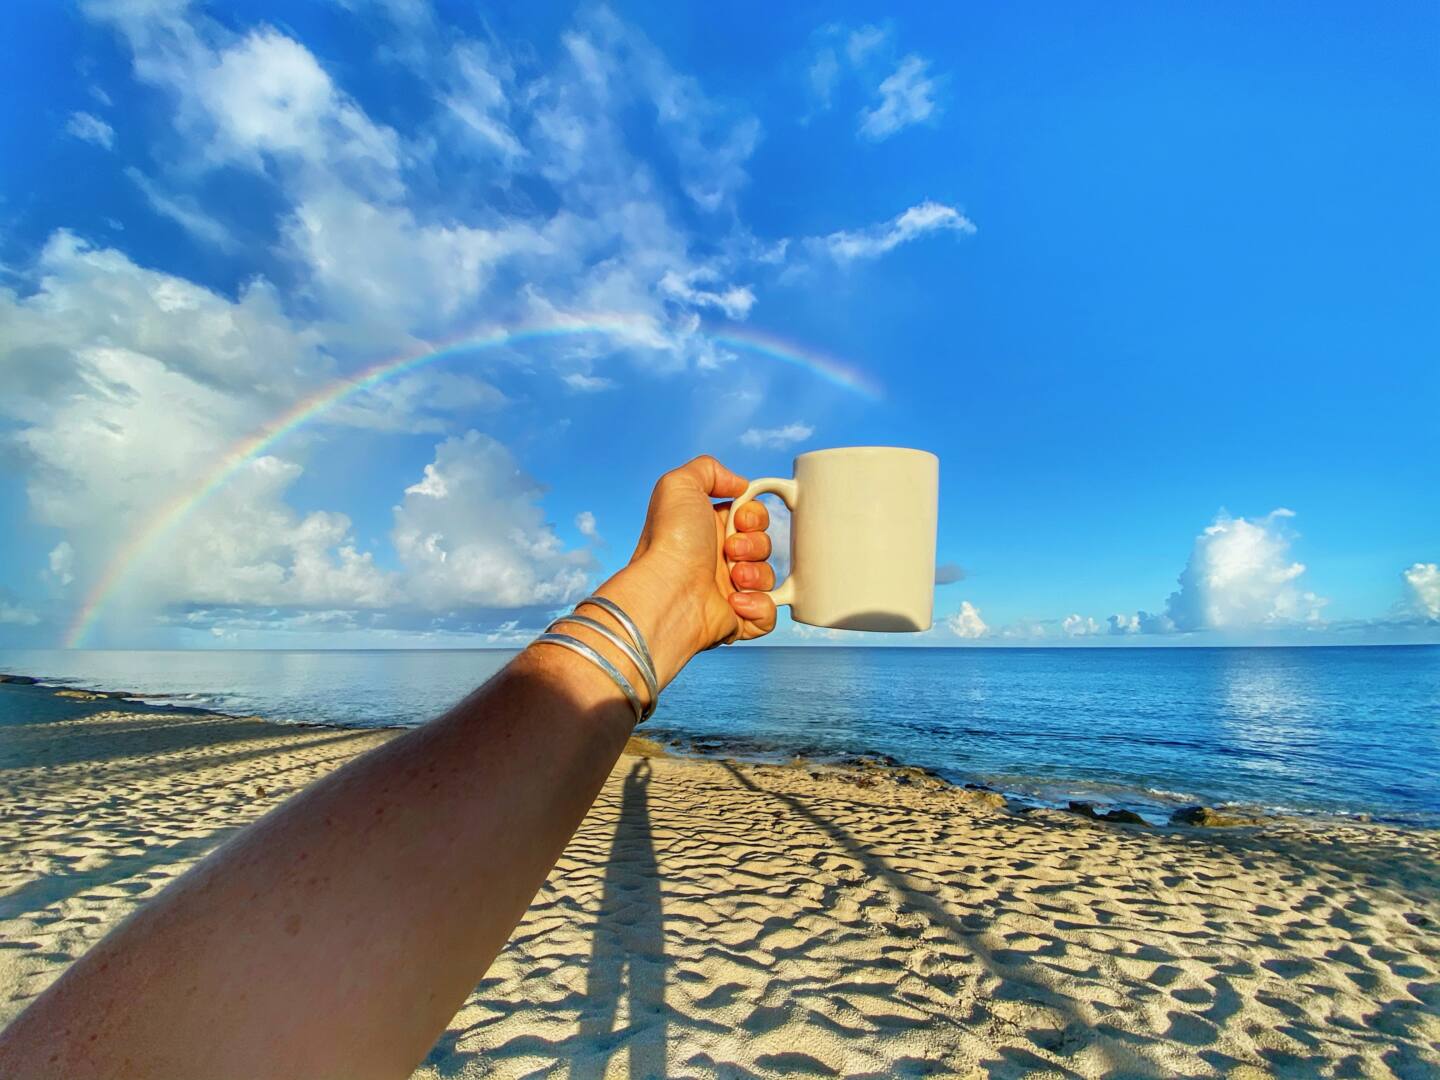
<point x="714" y="918"/>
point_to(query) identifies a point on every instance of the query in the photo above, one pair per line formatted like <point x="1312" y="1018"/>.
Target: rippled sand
<point x="716" y="919"/>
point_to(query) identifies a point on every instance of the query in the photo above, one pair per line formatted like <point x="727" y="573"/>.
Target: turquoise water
<point x="1340" y="730"/>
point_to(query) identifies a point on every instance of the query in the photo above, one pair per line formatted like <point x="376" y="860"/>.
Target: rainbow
<point x="639" y="331"/>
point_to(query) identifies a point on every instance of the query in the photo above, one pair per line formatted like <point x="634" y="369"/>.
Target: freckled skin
<point x="337" y="935"/>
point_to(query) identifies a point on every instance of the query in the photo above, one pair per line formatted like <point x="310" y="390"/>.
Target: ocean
<point x="1332" y="730"/>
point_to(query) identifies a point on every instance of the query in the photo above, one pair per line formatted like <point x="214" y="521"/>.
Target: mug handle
<point x="784" y="593"/>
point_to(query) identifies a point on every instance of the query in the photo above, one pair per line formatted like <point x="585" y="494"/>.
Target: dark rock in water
<point x="1116" y="817"/>
<point x="1206" y="817"/>
<point x="19" y="680"/>
<point x="1123" y="817"/>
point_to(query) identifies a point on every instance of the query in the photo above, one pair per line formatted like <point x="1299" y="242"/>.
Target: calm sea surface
<point x="1349" y="730"/>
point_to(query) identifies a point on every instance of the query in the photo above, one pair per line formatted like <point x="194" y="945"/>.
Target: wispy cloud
<point x="91" y="129"/>
<point x="907" y="96"/>
<point x="184" y="211"/>
<point x="900" y="90"/>
<point x="587" y="384"/>
<point x="777" y="438"/>
<point x="869" y="243"/>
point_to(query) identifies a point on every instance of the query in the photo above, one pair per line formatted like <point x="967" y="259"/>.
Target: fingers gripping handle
<point x="784" y="593"/>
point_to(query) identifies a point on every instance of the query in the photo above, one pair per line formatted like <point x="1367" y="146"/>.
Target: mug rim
<point x="870" y="449"/>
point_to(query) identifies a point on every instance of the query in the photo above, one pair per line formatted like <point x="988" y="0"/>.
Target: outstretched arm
<point x="338" y="935"/>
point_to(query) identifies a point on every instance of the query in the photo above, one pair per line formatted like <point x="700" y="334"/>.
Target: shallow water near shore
<point x="1324" y="730"/>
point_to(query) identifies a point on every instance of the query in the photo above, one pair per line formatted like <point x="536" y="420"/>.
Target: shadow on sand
<point x="627" y="960"/>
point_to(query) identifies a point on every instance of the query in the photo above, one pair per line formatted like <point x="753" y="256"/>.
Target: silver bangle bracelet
<point x="575" y="645"/>
<point x="646" y="672"/>
<point x="618" y="613"/>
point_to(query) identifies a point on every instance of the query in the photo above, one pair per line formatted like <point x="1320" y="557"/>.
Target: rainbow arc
<point x="308" y="409"/>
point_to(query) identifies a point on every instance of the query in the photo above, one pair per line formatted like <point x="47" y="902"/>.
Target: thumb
<point x="713" y="478"/>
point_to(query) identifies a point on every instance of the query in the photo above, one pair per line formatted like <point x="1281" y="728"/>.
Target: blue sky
<point x="1158" y="286"/>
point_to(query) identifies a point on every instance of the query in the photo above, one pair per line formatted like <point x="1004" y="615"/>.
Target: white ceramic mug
<point x="862" y="537"/>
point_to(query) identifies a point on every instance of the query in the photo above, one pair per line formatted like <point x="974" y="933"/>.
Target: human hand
<point x="678" y="585"/>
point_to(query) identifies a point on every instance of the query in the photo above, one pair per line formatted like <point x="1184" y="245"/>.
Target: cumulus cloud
<point x="585" y="523"/>
<point x="90" y="128"/>
<point x="966" y="622"/>
<point x="1423" y="582"/>
<point x="927" y="217"/>
<point x="949" y="573"/>
<point x="1239" y="577"/>
<point x="777" y="438"/>
<point x="1240" y="574"/>
<point x="471" y="533"/>
<point x="907" y="96"/>
<point x="1078" y="626"/>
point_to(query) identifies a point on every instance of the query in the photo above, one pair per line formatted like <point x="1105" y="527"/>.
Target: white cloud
<point x="907" y="96"/>
<point x="1239" y="577"/>
<point x="966" y="622"/>
<point x="184" y="211"/>
<point x="61" y="564"/>
<point x="1423" y="581"/>
<point x="1076" y="626"/>
<point x="125" y="385"/>
<point x="587" y="384"/>
<point x="479" y="97"/>
<point x="900" y="89"/>
<point x="91" y="129"/>
<point x="385" y="265"/>
<point x="777" y="438"/>
<point x="927" y="217"/>
<point x="585" y="523"/>
<point x="377" y="262"/>
<point x="267" y="96"/>
<point x="472" y="534"/>
<point x="1123" y="624"/>
<point x="735" y="301"/>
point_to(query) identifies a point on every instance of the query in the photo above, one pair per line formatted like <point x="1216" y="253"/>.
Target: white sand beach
<point x="717" y="919"/>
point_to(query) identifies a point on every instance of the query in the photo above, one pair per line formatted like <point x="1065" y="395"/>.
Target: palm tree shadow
<point x="628" y="953"/>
